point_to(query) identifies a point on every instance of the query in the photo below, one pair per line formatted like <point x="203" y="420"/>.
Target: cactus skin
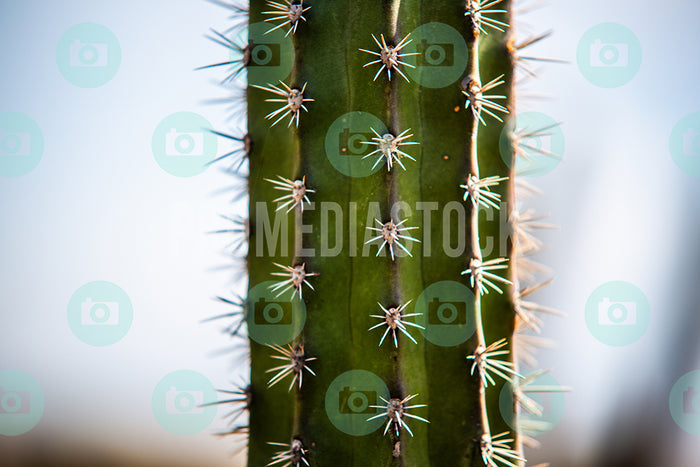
<point x="349" y="285"/>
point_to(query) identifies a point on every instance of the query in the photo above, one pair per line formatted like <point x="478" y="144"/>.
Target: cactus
<point x="356" y="251"/>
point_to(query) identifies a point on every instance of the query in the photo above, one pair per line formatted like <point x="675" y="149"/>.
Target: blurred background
<point x="98" y="207"/>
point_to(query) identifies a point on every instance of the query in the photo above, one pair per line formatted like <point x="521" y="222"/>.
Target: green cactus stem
<point x="364" y="247"/>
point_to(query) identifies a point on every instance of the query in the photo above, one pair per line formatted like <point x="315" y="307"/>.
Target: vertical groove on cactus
<point x="439" y="168"/>
<point x="349" y="284"/>
<point x="397" y="387"/>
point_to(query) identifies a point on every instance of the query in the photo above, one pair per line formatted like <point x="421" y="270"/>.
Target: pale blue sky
<point x="98" y="207"/>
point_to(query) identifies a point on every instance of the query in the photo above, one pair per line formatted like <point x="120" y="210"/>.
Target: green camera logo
<point x="183" y="144"/>
<point x="271" y="319"/>
<point x="542" y="404"/>
<point x="356" y="401"/>
<point x="435" y="54"/>
<point x="684" y="402"/>
<point x="21" y="144"/>
<point x="21" y="403"/>
<point x="617" y="313"/>
<point x="685" y="144"/>
<point x="609" y="55"/>
<point x="100" y="313"/>
<point x="348" y="142"/>
<point x="354" y="143"/>
<point x="441" y="55"/>
<point x="272" y="313"/>
<point x="537" y="140"/>
<point x="88" y="55"/>
<point x="446" y="312"/>
<point x="350" y="399"/>
<point x="183" y="402"/>
<point x="269" y="57"/>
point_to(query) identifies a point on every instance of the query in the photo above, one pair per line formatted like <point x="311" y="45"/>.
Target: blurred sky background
<point x="98" y="207"/>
